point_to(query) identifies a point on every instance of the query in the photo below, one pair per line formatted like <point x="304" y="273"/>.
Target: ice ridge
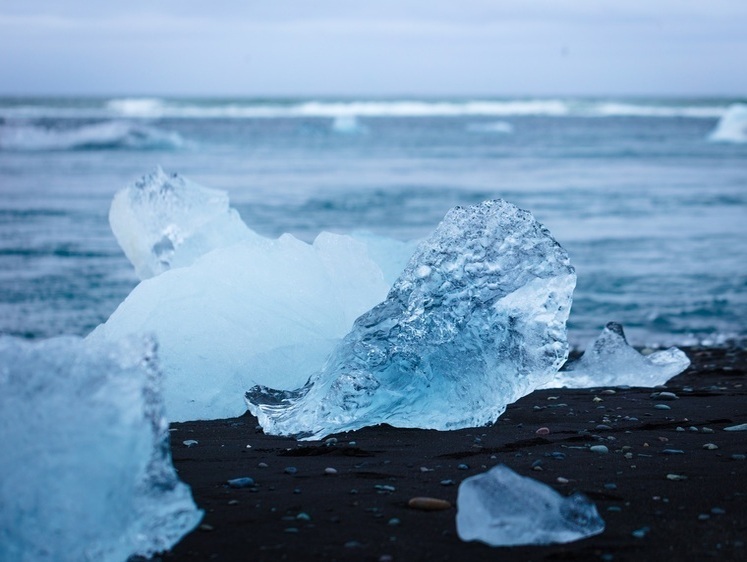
<point x="475" y="321"/>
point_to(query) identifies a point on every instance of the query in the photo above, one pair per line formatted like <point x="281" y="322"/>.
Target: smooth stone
<point x="243" y="482"/>
<point x="599" y="449"/>
<point x="190" y="443"/>
<point x="428" y="504"/>
<point x="664" y="396"/>
<point x="662" y="407"/>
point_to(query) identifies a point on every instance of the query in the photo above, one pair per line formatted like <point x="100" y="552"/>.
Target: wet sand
<point x="672" y="486"/>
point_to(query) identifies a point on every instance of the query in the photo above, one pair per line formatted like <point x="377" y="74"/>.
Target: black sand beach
<point x="672" y="486"/>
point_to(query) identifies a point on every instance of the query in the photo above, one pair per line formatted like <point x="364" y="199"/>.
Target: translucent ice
<point x="165" y="221"/>
<point x="502" y="508"/>
<point x="475" y="321"/>
<point x="610" y="361"/>
<point x="85" y="472"/>
<point x="732" y="127"/>
<point x="232" y="309"/>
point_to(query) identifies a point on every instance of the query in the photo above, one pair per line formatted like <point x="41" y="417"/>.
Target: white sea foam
<point x="107" y="134"/>
<point x="732" y="127"/>
<point x="137" y="107"/>
<point x="149" y="108"/>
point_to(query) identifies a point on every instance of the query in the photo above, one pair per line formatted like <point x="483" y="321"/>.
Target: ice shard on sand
<point x="475" y="321"/>
<point x="611" y="361"/>
<point x="502" y="508"/>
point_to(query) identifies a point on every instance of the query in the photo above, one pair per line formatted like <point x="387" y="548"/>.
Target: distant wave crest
<point x="732" y="127"/>
<point x="111" y="135"/>
<point x="165" y="108"/>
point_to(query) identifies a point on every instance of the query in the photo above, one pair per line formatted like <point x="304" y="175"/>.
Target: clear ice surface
<point x="229" y="308"/>
<point x="164" y="221"/>
<point x="475" y="321"/>
<point x="85" y="472"/>
<point x="502" y="508"/>
<point x="611" y="361"/>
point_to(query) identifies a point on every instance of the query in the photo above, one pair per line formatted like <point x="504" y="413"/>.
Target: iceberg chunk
<point x="502" y="508"/>
<point x="253" y="313"/>
<point x="610" y="361"/>
<point x="165" y="221"/>
<point x="229" y="308"/>
<point x="732" y="127"/>
<point x="475" y="321"/>
<point x="86" y="471"/>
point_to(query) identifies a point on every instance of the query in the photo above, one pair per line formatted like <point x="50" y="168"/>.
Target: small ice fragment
<point x="610" y="361"/>
<point x="740" y="427"/>
<point x="502" y="508"/>
<point x="475" y="321"/>
<point x="348" y="125"/>
<point x="190" y="443"/>
<point x="86" y="467"/>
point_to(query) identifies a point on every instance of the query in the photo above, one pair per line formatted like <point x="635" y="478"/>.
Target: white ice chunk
<point x="732" y="127"/>
<point x="230" y="308"/>
<point x="475" y="321"/>
<point x="502" y="508"/>
<point x="165" y="221"/>
<point x="610" y="361"/>
<point x="85" y="470"/>
<point x="253" y="313"/>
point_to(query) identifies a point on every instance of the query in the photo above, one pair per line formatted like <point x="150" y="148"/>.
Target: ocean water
<point x="649" y="196"/>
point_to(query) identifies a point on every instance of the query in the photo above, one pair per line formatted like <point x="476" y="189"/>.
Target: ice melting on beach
<point x="475" y="321"/>
<point x="732" y="127"/>
<point x="85" y="472"/>
<point x="610" y="361"/>
<point x="502" y="508"/>
<point x="231" y="309"/>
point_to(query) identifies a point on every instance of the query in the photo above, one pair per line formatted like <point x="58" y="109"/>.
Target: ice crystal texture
<point x="86" y="469"/>
<point x="502" y="508"/>
<point x="475" y="321"/>
<point x="610" y="361"/>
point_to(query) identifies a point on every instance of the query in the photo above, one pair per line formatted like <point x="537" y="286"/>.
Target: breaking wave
<point x="110" y="135"/>
<point x="157" y="108"/>
<point x="732" y="127"/>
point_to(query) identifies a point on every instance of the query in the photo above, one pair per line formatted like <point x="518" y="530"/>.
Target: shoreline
<point x="662" y="489"/>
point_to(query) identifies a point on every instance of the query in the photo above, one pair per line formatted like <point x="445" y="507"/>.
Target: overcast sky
<point x="375" y="48"/>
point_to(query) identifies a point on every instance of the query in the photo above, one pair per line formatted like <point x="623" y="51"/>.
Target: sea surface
<point x="649" y="196"/>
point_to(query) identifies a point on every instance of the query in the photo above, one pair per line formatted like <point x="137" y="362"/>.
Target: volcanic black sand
<point x="672" y="487"/>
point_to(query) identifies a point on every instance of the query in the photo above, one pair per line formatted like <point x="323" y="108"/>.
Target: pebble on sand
<point x="243" y="482"/>
<point x="190" y="443"/>
<point x="329" y="471"/>
<point x="428" y="504"/>
<point x="543" y="431"/>
<point x="599" y="449"/>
